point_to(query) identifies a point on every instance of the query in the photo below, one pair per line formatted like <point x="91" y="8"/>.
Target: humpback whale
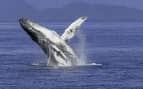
<point x="56" y="48"/>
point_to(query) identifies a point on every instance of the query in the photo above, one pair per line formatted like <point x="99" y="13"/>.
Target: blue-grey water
<point x="117" y="46"/>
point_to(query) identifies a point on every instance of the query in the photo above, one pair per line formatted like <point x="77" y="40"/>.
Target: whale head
<point x="27" y="26"/>
<point x="35" y="31"/>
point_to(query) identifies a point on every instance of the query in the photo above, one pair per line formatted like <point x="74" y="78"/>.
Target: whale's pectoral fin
<point x="72" y="29"/>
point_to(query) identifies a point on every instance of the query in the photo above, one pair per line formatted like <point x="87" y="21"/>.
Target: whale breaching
<point x="59" y="53"/>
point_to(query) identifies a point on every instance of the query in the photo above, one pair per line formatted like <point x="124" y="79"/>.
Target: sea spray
<point x="80" y="49"/>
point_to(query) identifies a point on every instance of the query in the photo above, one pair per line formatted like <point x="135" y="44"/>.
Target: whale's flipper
<point x="72" y="29"/>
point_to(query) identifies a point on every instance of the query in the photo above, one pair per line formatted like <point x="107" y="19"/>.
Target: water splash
<point x="80" y="49"/>
<point x="81" y="52"/>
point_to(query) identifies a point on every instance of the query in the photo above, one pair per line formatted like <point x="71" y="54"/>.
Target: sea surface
<point x="117" y="46"/>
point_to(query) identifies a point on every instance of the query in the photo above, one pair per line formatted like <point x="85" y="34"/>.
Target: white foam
<point x="81" y="65"/>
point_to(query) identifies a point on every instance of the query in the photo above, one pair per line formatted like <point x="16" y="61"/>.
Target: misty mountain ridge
<point x="69" y="12"/>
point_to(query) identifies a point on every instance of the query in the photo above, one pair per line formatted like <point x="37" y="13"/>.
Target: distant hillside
<point x="19" y="8"/>
<point x="95" y="12"/>
<point x="15" y="10"/>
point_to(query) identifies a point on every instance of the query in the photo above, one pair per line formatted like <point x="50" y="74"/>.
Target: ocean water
<point x="117" y="46"/>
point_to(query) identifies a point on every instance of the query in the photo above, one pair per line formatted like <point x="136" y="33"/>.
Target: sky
<point x="42" y="4"/>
